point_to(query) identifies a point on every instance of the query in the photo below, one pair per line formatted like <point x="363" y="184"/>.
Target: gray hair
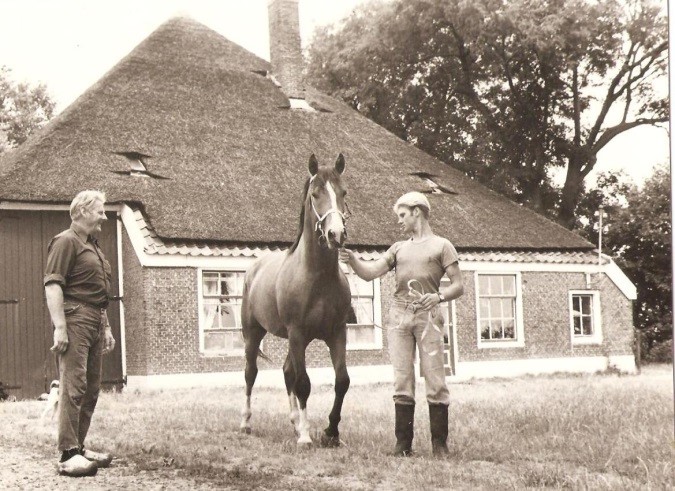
<point x="84" y="200"/>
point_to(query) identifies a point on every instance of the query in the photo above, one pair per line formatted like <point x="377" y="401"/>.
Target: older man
<point x="77" y="287"/>
<point x="415" y="318"/>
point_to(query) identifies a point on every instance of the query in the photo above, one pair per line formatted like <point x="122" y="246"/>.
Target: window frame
<point x="519" y="328"/>
<point x="450" y="362"/>
<point x="596" y="318"/>
<point x="200" y="314"/>
<point x="377" y="314"/>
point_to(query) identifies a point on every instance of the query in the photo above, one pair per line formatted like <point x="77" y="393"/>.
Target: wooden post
<point x="601" y="210"/>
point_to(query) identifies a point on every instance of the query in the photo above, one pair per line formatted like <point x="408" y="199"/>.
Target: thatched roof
<point x="229" y="158"/>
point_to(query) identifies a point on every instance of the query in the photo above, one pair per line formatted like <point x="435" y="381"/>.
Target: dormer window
<point x="137" y="165"/>
<point x="435" y="189"/>
<point x="301" y="104"/>
<point x="432" y="186"/>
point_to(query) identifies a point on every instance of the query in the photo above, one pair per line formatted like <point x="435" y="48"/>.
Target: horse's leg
<point x="289" y="378"/>
<point x="301" y="385"/>
<point x="254" y="333"/>
<point x="338" y="354"/>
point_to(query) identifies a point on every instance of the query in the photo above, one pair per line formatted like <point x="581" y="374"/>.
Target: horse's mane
<point x="302" y="218"/>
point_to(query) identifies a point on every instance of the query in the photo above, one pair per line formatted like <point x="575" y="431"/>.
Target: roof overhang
<point x="153" y="251"/>
<point x="28" y="206"/>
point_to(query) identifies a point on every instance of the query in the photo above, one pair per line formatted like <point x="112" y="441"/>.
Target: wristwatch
<point x="440" y="295"/>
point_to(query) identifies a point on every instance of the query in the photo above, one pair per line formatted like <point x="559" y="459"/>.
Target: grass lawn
<point x="598" y="432"/>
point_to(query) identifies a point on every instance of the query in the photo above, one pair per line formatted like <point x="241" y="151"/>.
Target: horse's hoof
<point x="245" y="429"/>
<point x="329" y="441"/>
<point x="304" y="443"/>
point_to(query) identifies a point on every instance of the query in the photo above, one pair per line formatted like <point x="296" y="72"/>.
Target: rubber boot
<point x="405" y="418"/>
<point x="438" y="422"/>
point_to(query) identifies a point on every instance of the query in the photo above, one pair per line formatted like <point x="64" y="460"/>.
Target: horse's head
<point x="326" y="196"/>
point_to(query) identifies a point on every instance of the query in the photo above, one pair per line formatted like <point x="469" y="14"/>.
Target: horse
<point x="301" y="295"/>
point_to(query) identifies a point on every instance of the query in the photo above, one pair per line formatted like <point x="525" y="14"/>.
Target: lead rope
<point x="413" y="306"/>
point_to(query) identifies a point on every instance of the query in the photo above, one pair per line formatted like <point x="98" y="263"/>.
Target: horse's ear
<point x="313" y="165"/>
<point x="340" y="164"/>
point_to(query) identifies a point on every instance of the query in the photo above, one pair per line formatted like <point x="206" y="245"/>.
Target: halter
<point x="320" y="218"/>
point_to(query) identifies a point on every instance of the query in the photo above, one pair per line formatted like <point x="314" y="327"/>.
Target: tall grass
<point x="599" y="432"/>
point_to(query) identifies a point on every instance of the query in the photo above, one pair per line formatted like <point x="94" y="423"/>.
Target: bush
<point x="661" y="352"/>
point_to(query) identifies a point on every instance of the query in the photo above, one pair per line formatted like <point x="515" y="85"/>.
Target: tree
<point x="23" y="109"/>
<point x="610" y="194"/>
<point x="638" y="235"/>
<point x="505" y="90"/>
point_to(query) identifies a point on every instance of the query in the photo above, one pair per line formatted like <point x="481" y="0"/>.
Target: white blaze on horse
<point x="301" y="295"/>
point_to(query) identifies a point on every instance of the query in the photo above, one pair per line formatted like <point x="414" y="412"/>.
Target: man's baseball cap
<point x="411" y="200"/>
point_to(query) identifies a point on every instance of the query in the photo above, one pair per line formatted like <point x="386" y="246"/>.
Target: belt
<point x="82" y="302"/>
<point x="406" y="303"/>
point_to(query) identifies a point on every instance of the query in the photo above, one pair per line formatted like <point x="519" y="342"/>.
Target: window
<point x="220" y="313"/>
<point x="585" y="317"/>
<point x="363" y="324"/>
<point x="499" y="310"/>
<point x="449" y="332"/>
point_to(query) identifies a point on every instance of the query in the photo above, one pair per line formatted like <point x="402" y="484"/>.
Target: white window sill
<point x="363" y="347"/>
<point x="222" y="354"/>
<point x="585" y="341"/>
<point x="500" y="344"/>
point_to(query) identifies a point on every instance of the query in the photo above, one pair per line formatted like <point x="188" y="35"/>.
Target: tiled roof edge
<point x="155" y="245"/>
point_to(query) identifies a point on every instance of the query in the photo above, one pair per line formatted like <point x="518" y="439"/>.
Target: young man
<point x="415" y="318"/>
<point x="77" y="287"/>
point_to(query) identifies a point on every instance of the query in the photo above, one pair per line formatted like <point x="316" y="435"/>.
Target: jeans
<point x="408" y="327"/>
<point x="80" y="370"/>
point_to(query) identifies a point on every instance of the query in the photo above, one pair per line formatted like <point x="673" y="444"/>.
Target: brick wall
<point x="162" y="326"/>
<point x="546" y="319"/>
<point x="162" y="333"/>
<point x="134" y="311"/>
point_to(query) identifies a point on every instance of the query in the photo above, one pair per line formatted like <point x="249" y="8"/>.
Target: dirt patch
<point x="24" y="468"/>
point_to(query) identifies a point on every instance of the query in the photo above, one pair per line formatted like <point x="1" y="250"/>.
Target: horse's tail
<point x="262" y="355"/>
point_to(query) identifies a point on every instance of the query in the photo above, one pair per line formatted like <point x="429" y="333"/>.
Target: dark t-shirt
<point x="425" y="262"/>
<point x="78" y="265"/>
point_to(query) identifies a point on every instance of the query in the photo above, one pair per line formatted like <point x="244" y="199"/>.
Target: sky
<point x="69" y="44"/>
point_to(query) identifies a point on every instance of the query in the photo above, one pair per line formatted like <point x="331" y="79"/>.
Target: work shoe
<point x="77" y="466"/>
<point x="102" y="460"/>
